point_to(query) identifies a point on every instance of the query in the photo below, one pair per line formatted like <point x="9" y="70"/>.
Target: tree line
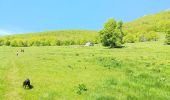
<point x="51" y="38"/>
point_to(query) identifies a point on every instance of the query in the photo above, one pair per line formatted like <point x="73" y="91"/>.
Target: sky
<point x="24" y="16"/>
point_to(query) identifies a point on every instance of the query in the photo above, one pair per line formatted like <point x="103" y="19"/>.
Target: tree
<point x="152" y="36"/>
<point x="167" y="37"/>
<point x="20" y="43"/>
<point x="1" y="42"/>
<point x="7" y="43"/>
<point x="112" y="35"/>
<point x="14" y="43"/>
<point x="119" y="29"/>
<point x="130" y="38"/>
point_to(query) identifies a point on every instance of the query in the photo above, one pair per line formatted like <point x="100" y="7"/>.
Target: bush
<point x="58" y="43"/>
<point x="53" y="43"/>
<point x="37" y="43"/>
<point x="67" y="42"/>
<point x="7" y="43"/>
<point x="130" y="38"/>
<point x="167" y="37"/>
<point x="20" y="44"/>
<point x="1" y="42"/>
<point x="142" y="37"/>
<point x="81" y="88"/>
<point x="30" y="43"/>
<point x="25" y="43"/>
<point x="152" y="36"/>
<point x="14" y="43"/>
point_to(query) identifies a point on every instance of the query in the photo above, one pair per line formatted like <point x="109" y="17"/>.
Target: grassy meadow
<point x="140" y="71"/>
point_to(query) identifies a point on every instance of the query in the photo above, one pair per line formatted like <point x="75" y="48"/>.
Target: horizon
<point x="38" y="16"/>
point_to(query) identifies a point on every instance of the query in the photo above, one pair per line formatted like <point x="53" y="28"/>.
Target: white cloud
<point x="167" y="9"/>
<point x="5" y="32"/>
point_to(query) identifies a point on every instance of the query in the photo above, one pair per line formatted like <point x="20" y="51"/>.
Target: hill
<point x="148" y="27"/>
<point x="51" y="38"/>
<point x="159" y="22"/>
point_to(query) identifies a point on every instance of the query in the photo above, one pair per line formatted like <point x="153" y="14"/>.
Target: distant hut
<point x="88" y="44"/>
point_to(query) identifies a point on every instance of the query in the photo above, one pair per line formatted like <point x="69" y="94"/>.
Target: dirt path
<point x="14" y="85"/>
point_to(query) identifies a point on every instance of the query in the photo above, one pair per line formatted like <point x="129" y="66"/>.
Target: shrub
<point x="14" y="43"/>
<point x="130" y="38"/>
<point x="167" y="37"/>
<point x="152" y="36"/>
<point x="53" y="43"/>
<point x="77" y="54"/>
<point x="37" y="43"/>
<point x="20" y="43"/>
<point x="25" y="43"/>
<point x="81" y="88"/>
<point x="30" y="43"/>
<point x="7" y="43"/>
<point x="1" y="42"/>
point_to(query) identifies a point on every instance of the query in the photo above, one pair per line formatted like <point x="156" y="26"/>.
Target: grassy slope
<point x="153" y="22"/>
<point x="139" y="71"/>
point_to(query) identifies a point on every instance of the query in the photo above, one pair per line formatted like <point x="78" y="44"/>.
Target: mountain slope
<point x="156" y="22"/>
<point x="62" y="37"/>
<point x="147" y="28"/>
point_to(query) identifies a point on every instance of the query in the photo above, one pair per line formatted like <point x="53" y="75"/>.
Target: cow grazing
<point x="17" y="53"/>
<point x="22" y="50"/>
<point x="26" y="84"/>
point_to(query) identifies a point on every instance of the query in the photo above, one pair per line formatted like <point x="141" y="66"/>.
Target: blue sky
<point x="22" y="16"/>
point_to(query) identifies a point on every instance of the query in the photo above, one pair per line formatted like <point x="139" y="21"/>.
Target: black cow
<point x="27" y="83"/>
<point x="17" y="53"/>
<point x="22" y="50"/>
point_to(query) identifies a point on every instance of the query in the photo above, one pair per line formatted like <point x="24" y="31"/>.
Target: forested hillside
<point x="51" y="38"/>
<point x="147" y="28"/>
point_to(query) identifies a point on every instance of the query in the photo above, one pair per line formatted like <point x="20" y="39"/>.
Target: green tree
<point x="152" y="36"/>
<point x="30" y="43"/>
<point x="130" y="38"/>
<point x="112" y="35"/>
<point x="20" y="43"/>
<point x="120" y="31"/>
<point x="25" y="43"/>
<point x="167" y="37"/>
<point x="37" y="43"/>
<point x="1" y="42"/>
<point x="7" y="43"/>
<point x="14" y="43"/>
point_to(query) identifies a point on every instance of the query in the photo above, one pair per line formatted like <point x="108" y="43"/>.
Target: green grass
<point x="139" y="71"/>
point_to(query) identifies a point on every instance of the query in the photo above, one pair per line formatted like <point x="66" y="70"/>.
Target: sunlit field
<point x="137" y="71"/>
